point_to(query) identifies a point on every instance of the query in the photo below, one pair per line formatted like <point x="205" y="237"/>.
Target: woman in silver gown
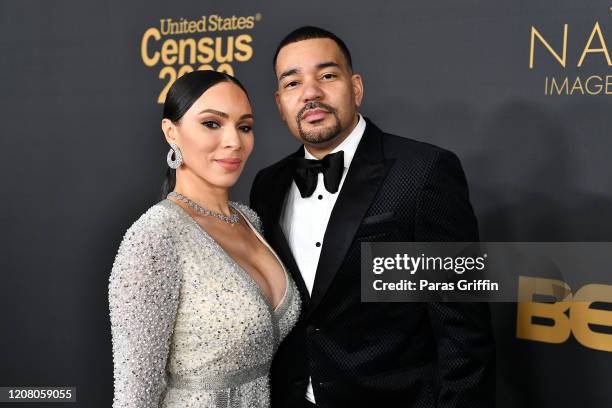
<point x="198" y="300"/>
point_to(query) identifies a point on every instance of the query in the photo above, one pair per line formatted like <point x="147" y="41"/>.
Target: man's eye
<point x="245" y="128"/>
<point x="211" y="124"/>
<point x="291" y="84"/>
<point x="329" y="76"/>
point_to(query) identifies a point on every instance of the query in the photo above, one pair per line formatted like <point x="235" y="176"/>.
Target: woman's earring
<point x="178" y="157"/>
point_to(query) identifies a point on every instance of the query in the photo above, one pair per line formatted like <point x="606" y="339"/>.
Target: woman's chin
<point x="227" y="181"/>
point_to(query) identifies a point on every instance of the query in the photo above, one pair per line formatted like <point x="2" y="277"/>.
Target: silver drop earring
<point x="178" y="157"/>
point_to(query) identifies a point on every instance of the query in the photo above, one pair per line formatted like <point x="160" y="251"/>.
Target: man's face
<point x="317" y="94"/>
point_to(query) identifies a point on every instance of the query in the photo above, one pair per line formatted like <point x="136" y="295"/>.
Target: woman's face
<point x="215" y="135"/>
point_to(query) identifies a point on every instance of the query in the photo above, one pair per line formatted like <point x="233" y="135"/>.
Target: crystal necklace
<point x="234" y="218"/>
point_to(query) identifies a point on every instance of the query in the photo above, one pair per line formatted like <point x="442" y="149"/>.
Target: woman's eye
<point x="211" y="124"/>
<point x="245" y="129"/>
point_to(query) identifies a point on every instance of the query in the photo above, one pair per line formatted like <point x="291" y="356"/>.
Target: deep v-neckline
<point x="247" y="275"/>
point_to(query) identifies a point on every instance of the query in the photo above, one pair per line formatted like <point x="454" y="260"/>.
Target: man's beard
<point x="322" y="135"/>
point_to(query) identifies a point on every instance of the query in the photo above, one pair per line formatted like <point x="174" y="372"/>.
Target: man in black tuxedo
<point x="350" y="183"/>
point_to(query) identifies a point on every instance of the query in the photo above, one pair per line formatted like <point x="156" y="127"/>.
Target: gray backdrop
<point x="83" y="154"/>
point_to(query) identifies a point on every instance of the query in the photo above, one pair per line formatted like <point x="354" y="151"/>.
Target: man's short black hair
<point x="309" y="33"/>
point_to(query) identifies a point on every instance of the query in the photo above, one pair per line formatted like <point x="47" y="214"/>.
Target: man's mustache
<point x="314" y="105"/>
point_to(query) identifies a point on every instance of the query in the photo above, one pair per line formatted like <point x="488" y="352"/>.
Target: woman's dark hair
<point x="182" y="94"/>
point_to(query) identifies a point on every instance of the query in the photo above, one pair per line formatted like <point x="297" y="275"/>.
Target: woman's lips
<point x="314" y="115"/>
<point x="229" y="164"/>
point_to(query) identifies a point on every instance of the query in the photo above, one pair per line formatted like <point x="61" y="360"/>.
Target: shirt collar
<point x="348" y="145"/>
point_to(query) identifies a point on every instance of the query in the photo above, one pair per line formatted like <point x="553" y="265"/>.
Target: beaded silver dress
<point x="190" y="327"/>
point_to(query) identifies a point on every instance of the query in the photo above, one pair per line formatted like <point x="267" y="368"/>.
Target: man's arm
<point x="465" y="343"/>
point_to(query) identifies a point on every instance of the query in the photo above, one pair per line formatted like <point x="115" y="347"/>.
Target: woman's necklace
<point x="233" y="218"/>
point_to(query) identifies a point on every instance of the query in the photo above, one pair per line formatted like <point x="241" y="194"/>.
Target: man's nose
<point x="311" y="91"/>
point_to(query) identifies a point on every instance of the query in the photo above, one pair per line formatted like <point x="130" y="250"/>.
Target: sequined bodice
<point x="190" y="327"/>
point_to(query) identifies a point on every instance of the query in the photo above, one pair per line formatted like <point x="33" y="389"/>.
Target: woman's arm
<point x="143" y="299"/>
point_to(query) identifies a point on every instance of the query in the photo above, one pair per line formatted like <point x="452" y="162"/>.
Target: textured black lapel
<point x="366" y="173"/>
<point x="275" y="188"/>
<point x="279" y="242"/>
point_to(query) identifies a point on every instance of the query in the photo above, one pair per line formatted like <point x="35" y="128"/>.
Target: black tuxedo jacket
<point x="381" y="354"/>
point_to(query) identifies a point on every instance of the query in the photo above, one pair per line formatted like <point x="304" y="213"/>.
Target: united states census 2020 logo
<point x="591" y="64"/>
<point x="179" y="46"/>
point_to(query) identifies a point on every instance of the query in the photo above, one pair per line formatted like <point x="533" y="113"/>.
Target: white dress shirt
<point x="304" y="220"/>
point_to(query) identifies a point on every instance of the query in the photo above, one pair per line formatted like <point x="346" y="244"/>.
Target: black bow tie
<point x="305" y="173"/>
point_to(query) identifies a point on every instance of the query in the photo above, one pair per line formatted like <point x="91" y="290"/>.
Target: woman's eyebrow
<point x="225" y="115"/>
<point x="215" y="112"/>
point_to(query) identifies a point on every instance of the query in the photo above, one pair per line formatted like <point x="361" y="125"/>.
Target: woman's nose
<point x="231" y="138"/>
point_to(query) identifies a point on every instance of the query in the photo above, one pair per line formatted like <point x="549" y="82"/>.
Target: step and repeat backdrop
<point x="520" y="90"/>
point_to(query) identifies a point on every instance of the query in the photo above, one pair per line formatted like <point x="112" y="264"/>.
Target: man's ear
<point x="169" y="130"/>
<point x="278" y="105"/>
<point x="357" y="88"/>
